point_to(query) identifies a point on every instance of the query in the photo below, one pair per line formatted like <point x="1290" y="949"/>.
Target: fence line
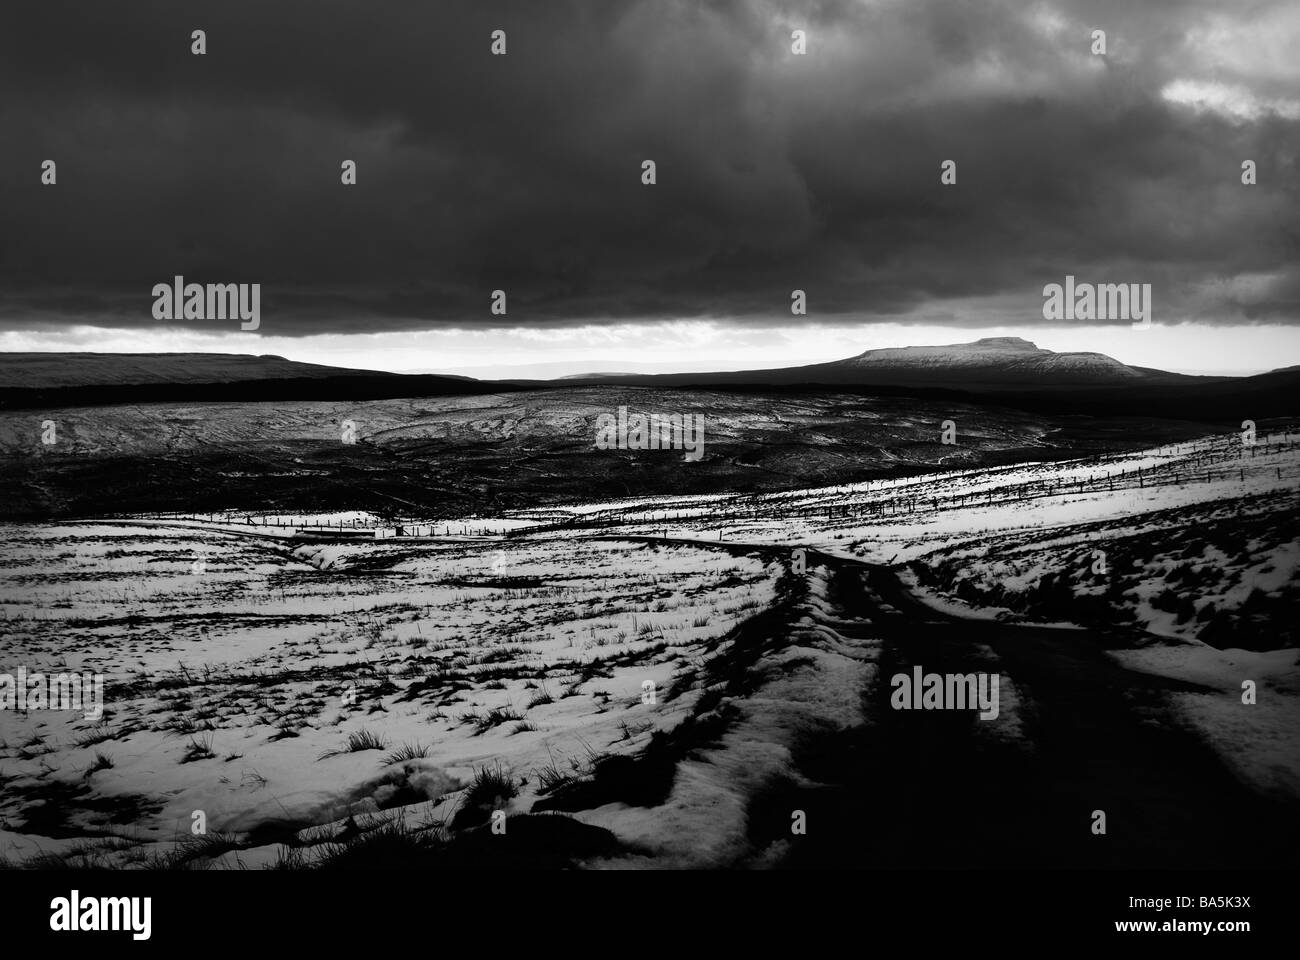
<point x="1204" y="464"/>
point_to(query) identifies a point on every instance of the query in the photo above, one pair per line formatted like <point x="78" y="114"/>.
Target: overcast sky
<point x="775" y="171"/>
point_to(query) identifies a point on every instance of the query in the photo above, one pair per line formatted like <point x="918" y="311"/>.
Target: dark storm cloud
<point x="522" y="172"/>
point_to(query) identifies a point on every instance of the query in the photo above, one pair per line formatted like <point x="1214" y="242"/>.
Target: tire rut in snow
<point x="939" y="788"/>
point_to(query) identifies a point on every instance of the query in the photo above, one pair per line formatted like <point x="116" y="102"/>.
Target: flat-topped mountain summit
<point x="1000" y="359"/>
<point x="992" y="363"/>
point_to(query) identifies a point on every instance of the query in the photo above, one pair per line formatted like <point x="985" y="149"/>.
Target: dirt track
<point x="941" y="788"/>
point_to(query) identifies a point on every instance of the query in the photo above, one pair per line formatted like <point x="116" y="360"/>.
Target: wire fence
<point x="1226" y="460"/>
<point x="1187" y="463"/>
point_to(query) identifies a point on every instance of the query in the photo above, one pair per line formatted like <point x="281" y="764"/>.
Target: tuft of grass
<point x="356" y="742"/>
<point x="199" y="748"/>
<point x="365" y="740"/>
<point x="407" y="751"/>
<point x="540" y="698"/>
<point x="194" y="852"/>
<point x="291" y="858"/>
<point x="284" y="731"/>
<point x="102" y="762"/>
<point x="96" y="735"/>
<point x="494" y="718"/>
<point x="550" y="777"/>
<point x="492" y="785"/>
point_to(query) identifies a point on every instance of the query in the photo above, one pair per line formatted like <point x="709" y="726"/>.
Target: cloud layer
<point x="523" y="172"/>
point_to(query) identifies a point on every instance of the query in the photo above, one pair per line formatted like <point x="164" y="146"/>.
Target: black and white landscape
<point x="888" y="513"/>
<point x="354" y="653"/>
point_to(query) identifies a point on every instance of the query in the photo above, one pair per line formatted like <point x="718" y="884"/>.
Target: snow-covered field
<point x="288" y="689"/>
<point x="237" y="669"/>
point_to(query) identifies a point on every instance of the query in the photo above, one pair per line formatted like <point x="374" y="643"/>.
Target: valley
<point x="665" y="681"/>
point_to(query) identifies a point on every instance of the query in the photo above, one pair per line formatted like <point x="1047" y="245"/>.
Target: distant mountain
<point x="993" y="363"/>
<point x="36" y="380"/>
<point x="993" y="359"/>
<point x="57" y="370"/>
<point x="998" y="371"/>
